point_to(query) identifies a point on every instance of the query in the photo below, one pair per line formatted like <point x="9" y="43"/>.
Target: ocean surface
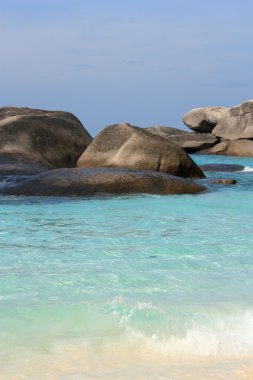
<point x="134" y="287"/>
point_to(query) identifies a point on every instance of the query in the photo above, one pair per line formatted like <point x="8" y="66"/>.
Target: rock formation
<point x="190" y="141"/>
<point x="233" y="128"/>
<point x="126" y="146"/>
<point x="237" y="123"/>
<point x="90" y="181"/>
<point x="37" y="139"/>
<point x="204" y="119"/>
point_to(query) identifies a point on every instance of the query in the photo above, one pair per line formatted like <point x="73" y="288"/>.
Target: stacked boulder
<point x="232" y="128"/>
<point x="51" y="153"/>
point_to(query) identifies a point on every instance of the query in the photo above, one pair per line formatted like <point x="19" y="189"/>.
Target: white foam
<point x="247" y="169"/>
<point x="228" y="337"/>
<point x="208" y="333"/>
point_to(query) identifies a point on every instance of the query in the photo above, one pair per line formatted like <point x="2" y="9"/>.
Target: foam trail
<point x="247" y="169"/>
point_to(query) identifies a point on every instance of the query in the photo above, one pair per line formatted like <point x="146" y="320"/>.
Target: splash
<point x="247" y="169"/>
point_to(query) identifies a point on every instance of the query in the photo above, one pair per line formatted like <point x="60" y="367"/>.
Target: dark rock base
<point x="90" y="181"/>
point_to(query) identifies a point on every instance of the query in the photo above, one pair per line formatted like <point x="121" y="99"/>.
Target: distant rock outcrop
<point x="33" y="140"/>
<point x="241" y="147"/>
<point x="204" y="120"/>
<point x="232" y="127"/>
<point x="165" y="132"/>
<point x="237" y="123"/>
<point x="127" y="146"/>
<point x="190" y="141"/>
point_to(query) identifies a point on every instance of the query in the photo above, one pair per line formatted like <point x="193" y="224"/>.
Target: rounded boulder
<point x="130" y="147"/>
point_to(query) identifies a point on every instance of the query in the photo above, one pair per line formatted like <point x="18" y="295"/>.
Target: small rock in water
<point x="224" y="181"/>
<point x="222" y="167"/>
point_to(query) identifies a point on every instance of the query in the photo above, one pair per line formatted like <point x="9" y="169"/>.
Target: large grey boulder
<point x="237" y="123"/>
<point x="204" y="119"/>
<point x="91" y="181"/>
<point x="241" y="147"/>
<point x="126" y="146"/>
<point x="38" y="138"/>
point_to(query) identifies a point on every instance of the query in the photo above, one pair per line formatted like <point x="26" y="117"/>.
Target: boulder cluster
<point x="51" y="153"/>
<point x="230" y="128"/>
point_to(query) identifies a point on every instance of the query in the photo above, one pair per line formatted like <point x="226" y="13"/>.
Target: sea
<point x="140" y="287"/>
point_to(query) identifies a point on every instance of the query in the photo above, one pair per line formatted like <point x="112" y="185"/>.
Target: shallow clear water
<point x="138" y="287"/>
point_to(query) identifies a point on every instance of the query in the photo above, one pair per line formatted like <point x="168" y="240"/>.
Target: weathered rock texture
<point x="126" y="146"/>
<point x="233" y="128"/>
<point x="166" y="132"/>
<point x="190" y="141"/>
<point x="237" y="123"/>
<point x="241" y="147"/>
<point x="204" y="119"/>
<point x="90" y="181"/>
<point x="37" y="138"/>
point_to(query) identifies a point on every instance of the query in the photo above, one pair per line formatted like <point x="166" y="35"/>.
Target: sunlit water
<point x="134" y="287"/>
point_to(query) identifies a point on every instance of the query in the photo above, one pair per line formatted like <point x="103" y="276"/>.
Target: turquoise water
<point x="133" y="287"/>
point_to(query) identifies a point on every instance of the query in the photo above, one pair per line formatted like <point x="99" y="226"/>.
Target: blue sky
<point x="144" y="62"/>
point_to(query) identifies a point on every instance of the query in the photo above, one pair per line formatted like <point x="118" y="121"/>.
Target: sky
<point x="146" y="62"/>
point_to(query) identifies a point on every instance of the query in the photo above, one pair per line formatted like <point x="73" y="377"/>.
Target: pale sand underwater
<point x="136" y="287"/>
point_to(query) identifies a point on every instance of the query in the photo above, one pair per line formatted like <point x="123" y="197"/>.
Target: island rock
<point x="130" y="147"/>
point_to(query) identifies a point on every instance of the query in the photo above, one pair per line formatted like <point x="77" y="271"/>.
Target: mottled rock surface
<point x="237" y="123"/>
<point x="130" y="147"/>
<point x="165" y="131"/>
<point x="241" y="147"/>
<point x="190" y="141"/>
<point x="48" y="139"/>
<point x="90" y="181"/>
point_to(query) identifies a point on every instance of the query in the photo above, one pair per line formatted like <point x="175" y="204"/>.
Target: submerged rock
<point x="222" y="168"/>
<point x="38" y="139"/>
<point x="224" y="181"/>
<point x="204" y="119"/>
<point x="130" y="147"/>
<point x="87" y="182"/>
